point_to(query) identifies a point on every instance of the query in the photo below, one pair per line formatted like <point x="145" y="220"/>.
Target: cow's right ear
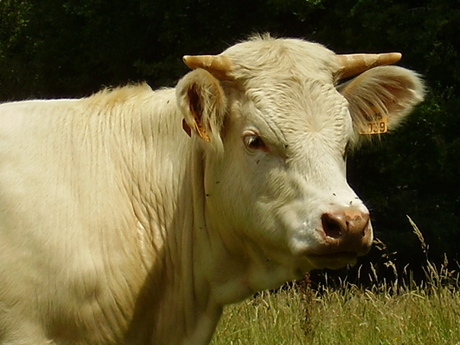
<point x="203" y="103"/>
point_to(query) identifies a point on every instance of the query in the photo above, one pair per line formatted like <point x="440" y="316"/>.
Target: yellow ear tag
<point x="377" y="124"/>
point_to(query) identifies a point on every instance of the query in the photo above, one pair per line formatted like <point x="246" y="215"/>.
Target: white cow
<point x="116" y="227"/>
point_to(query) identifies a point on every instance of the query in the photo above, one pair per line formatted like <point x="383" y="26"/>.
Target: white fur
<point x="117" y="228"/>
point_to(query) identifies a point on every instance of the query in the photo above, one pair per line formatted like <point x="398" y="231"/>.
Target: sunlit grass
<point x="270" y="318"/>
<point x="406" y="313"/>
<point x="344" y="316"/>
<point x="364" y="317"/>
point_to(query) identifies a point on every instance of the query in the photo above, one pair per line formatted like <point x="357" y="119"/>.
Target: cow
<point x="133" y="216"/>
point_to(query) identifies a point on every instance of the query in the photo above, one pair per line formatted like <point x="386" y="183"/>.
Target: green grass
<point x="364" y="317"/>
<point x="270" y="318"/>
<point x="344" y="316"/>
<point x="405" y="313"/>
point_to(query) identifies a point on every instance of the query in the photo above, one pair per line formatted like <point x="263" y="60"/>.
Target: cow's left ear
<point x="203" y="104"/>
<point x="380" y="98"/>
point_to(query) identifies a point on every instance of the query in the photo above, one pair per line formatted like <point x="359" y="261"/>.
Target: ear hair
<point x="203" y="104"/>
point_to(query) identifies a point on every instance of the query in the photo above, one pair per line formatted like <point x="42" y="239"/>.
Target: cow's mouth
<point x="333" y="261"/>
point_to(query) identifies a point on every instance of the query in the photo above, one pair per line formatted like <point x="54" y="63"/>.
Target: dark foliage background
<point x="71" y="48"/>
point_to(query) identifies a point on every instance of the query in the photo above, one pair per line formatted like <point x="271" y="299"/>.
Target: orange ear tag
<point x="201" y="130"/>
<point x="377" y="124"/>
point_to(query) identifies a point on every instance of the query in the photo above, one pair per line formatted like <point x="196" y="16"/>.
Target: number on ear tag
<point x="378" y="124"/>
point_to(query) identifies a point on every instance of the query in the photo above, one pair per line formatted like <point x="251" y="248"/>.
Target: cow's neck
<point x="191" y="272"/>
<point x="199" y="272"/>
<point x="176" y="304"/>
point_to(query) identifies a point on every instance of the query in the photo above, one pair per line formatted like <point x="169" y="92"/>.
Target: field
<point x="403" y="313"/>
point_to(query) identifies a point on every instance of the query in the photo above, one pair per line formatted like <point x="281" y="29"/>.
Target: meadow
<point x="404" y="312"/>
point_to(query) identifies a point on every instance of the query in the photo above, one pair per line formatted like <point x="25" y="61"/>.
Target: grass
<point x="401" y="313"/>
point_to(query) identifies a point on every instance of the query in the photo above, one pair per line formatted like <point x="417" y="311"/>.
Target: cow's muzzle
<point x="344" y="235"/>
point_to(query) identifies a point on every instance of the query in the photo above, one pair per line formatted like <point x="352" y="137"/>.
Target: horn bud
<point x="353" y="64"/>
<point x="218" y="65"/>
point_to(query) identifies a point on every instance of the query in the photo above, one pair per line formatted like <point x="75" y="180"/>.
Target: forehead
<point x="296" y="108"/>
<point x="289" y="88"/>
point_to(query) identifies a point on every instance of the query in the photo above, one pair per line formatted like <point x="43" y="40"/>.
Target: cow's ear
<point x="203" y="103"/>
<point x="380" y="98"/>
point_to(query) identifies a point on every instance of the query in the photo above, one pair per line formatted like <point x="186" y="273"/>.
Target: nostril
<point x="345" y="224"/>
<point x="332" y="226"/>
<point x="346" y="230"/>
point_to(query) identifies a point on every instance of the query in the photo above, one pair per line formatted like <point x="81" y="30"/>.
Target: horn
<point x="218" y="65"/>
<point x="353" y="64"/>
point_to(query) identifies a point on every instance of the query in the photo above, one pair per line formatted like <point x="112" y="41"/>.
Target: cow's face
<point x="275" y="179"/>
<point x="283" y="173"/>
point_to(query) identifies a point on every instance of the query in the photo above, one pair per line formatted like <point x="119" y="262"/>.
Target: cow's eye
<point x="255" y="142"/>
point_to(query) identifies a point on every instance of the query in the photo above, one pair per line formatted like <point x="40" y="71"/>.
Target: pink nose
<point x="347" y="231"/>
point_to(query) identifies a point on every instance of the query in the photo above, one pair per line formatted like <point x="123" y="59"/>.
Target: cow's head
<point x="276" y="128"/>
